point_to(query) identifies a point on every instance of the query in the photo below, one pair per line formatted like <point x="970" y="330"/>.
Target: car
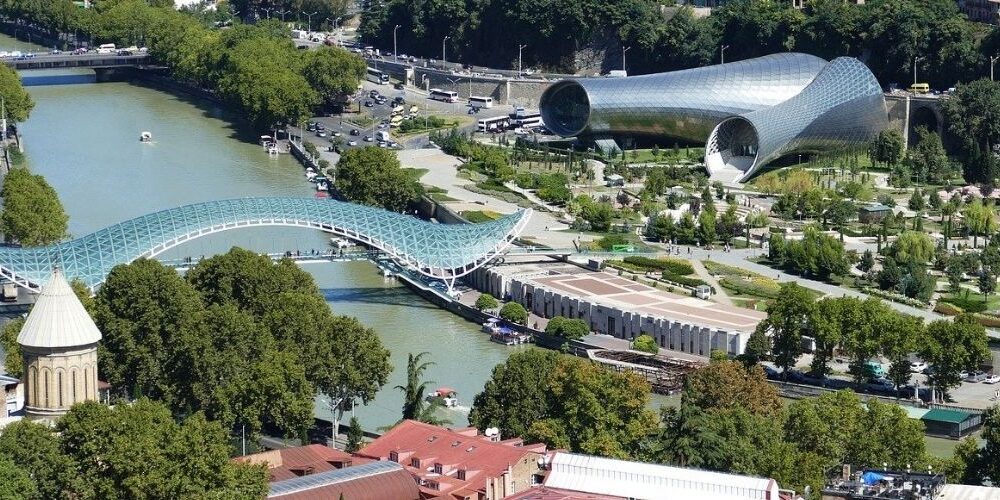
<point x="311" y="127"/>
<point x="55" y="52"/>
<point x="352" y="143"/>
<point x="79" y="51"/>
<point x="964" y="374"/>
<point x="368" y="104"/>
<point x="976" y="376"/>
<point x="917" y="367"/>
<point x="991" y="379"/>
<point x="398" y="86"/>
<point x="355" y="131"/>
<point x="336" y="134"/>
<point x="320" y="133"/>
<point x="124" y="52"/>
<point x="882" y="383"/>
<point x="875" y="368"/>
<point x="383" y="125"/>
<point x="320" y="126"/>
<point x="369" y="138"/>
<point x="373" y="94"/>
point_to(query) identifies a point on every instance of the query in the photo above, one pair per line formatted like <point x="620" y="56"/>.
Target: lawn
<point x="477" y="216"/>
<point x="971" y="301"/>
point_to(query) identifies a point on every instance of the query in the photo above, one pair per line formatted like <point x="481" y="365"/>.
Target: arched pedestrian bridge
<point x="445" y="251"/>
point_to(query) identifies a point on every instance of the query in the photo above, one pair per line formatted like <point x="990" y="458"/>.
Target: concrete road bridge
<point x="89" y="60"/>
<point x="440" y="251"/>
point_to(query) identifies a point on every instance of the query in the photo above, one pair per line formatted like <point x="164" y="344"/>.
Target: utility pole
<point x="915" y="59"/>
<point x="444" y="50"/>
<point x="624" y="50"/>
<point x="519" y="49"/>
<point x="722" y="54"/>
<point x="395" y="52"/>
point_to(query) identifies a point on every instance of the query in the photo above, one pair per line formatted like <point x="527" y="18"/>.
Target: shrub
<point x="572" y="329"/>
<point x="947" y="308"/>
<point x="609" y="241"/>
<point x="514" y="312"/>
<point x="973" y="305"/>
<point x="674" y="266"/>
<point x="485" y="302"/>
<point x="987" y="320"/>
<point x="645" y="343"/>
<point x="681" y="280"/>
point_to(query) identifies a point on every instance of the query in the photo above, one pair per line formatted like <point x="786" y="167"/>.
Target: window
<point x="393" y="456"/>
<point x="59" y="386"/>
<point x="461" y="474"/>
<point x="86" y="383"/>
<point x="72" y="399"/>
<point x="415" y="462"/>
<point x="33" y="385"/>
<point x="45" y="387"/>
<point x="438" y="469"/>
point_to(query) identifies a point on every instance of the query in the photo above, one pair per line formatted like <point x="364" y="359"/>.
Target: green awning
<point x="950" y="416"/>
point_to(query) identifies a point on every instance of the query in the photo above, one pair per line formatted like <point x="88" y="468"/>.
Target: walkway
<point x="720" y="293"/>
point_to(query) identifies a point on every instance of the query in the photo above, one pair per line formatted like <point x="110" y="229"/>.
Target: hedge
<point x="947" y="308"/>
<point x="673" y="266"/>
<point x="681" y="280"/>
<point x="973" y="305"/>
<point x="987" y="320"/>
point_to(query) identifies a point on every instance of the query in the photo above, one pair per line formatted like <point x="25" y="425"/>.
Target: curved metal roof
<point x="58" y="319"/>
<point x="437" y="250"/>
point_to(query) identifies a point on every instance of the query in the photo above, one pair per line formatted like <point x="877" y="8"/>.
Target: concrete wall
<point x="505" y="91"/>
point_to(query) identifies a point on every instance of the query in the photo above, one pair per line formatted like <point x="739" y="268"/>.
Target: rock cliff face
<point x="600" y="55"/>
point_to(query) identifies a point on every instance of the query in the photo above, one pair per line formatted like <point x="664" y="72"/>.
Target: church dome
<point x="58" y="319"/>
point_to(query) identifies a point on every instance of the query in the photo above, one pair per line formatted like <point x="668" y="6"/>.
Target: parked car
<point x="882" y="383"/>
<point x="876" y="368"/>
<point x="79" y="51"/>
<point x="976" y="376"/>
<point x="368" y="104"/>
<point x="368" y="138"/>
<point x="352" y="143"/>
<point x="355" y="131"/>
<point x="336" y="134"/>
<point x="991" y="379"/>
<point x="917" y="366"/>
<point x="311" y="127"/>
<point x="320" y="126"/>
<point x="320" y="133"/>
<point x="373" y="94"/>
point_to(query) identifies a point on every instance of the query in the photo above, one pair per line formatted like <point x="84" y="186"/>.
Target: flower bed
<point x="674" y="266"/>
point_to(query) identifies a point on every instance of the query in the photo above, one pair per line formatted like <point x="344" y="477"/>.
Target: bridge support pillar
<point x="112" y="74"/>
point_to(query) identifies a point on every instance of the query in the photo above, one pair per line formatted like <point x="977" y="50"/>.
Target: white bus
<point x="480" y="102"/>
<point x="376" y="76"/>
<point x="495" y="124"/>
<point x="522" y="119"/>
<point x="443" y="95"/>
<point x="107" y="48"/>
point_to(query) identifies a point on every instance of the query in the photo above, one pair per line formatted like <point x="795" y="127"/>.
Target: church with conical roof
<point x="59" y="345"/>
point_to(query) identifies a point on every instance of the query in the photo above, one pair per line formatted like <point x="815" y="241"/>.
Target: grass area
<point x="971" y="301"/>
<point x="666" y="155"/>
<point x="746" y="284"/>
<point x="477" y="216"/>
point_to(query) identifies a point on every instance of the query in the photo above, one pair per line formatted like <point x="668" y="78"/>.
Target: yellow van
<point x="920" y="88"/>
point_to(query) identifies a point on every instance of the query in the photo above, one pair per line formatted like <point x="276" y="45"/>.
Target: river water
<point x="83" y="137"/>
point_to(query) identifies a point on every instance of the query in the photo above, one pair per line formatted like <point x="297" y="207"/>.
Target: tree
<point x="333" y="72"/>
<point x="17" y="101"/>
<point x="706" y="227"/>
<point x="593" y="410"/>
<point x="686" y="229"/>
<point x="34" y="448"/>
<point x="867" y="262"/>
<point x="728" y="384"/>
<point x="413" y="392"/>
<point x="138" y="450"/>
<point x="514" y="396"/>
<point x="514" y="312"/>
<point x="486" y="302"/>
<point x="571" y="329"/>
<point x="950" y="347"/>
<point x="887" y="148"/>
<point x="758" y="348"/>
<point x="788" y="316"/>
<point x="985" y="465"/>
<point x="15" y="483"/>
<point x="13" y="362"/>
<point x="372" y="176"/>
<point x="912" y="247"/>
<point x="973" y="116"/>
<point x="964" y="465"/>
<point x="32" y="213"/>
<point x="661" y="228"/>
<point x="598" y="215"/>
<point x="987" y="284"/>
<point x="355" y="436"/>
<point x="916" y="202"/>
<point x="645" y="343"/>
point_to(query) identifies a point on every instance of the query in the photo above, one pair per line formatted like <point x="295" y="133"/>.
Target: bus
<point x="395" y="121"/>
<point x="480" y="102"/>
<point x="443" y="95"/>
<point x="495" y="124"/>
<point x="376" y="76"/>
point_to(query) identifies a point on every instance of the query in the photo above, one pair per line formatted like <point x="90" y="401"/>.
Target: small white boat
<point x="340" y="242"/>
<point x="146" y="136"/>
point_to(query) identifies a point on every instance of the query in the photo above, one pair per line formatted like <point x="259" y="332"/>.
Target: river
<point x="83" y="137"/>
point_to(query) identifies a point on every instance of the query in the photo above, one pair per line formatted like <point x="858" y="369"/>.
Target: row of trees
<point x="709" y="228"/>
<point x="816" y="254"/>
<point x="17" y="102"/>
<point x="133" y="450"/>
<point x="864" y="330"/>
<point x="255" y="68"/>
<point x="888" y="34"/>
<point x="244" y="340"/>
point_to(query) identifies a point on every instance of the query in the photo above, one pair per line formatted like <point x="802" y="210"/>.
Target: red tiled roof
<point x="287" y="463"/>
<point x="453" y="449"/>
<point x="547" y="493"/>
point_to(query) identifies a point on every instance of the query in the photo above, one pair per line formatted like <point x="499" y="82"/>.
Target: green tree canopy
<point x="953" y="346"/>
<point x="32" y="213"/>
<point x="571" y="329"/>
<point x="787" y="317"/>
<point x="514" y="312"/>
<point x="372" y="176"/>
<point x="486" y="302"/>
<point x="17" y="101"/>
<point x="912" y="247"/>
<point x="13" y="362"/>
<point x="333" y="72"/>
<point x="514" y="396"/>
<point x="973" y="116"/>
<point x="645" y="343"/>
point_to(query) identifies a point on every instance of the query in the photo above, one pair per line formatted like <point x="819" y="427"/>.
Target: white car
<point x="918" y="367"/>
<point x="352" y="143"/>
<point x="991" y="379"/>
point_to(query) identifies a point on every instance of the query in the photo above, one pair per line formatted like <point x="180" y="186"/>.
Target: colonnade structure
<point x="748" y="113"/>
<point x="441" y="251"/>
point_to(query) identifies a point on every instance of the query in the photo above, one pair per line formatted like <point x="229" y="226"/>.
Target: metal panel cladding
<point x="842" y="107"/>
<point x="685" y="104"/>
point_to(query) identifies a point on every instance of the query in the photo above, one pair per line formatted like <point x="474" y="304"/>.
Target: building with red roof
<point x="458" y="464"/>
<point x="288" y="463"/>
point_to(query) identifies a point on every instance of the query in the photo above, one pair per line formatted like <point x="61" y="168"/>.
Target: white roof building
<point x="58" y="319"/>
<point x="606" y="476"/>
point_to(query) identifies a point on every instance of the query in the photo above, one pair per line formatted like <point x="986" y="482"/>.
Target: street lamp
<point x="282" y="14"/>
<point x="309" y="18"/>
<point x="722" y="54"/>
<point x="519" y="49"/>
<point x="915" y="59"/>
<point x="444" y="52"/>
<point x="395" y="52"/>
<point x="267" y="10"/>
<point x="624" y="50"/>
<point x="993" y="60"/>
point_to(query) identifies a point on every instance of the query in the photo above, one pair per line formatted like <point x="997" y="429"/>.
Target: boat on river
<point x="503" y="334"/>
<point x="446" y="395"/>
<point x="146" y="136"/>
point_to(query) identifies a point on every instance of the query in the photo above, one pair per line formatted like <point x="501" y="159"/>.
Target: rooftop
<point x="288" y="463"/>
<point x="371" y="481"/>
<point x="446" y="461"/>
<point x="614" y="291"/>
<point x="945" y="415"/>
<point x="58" y="319"/>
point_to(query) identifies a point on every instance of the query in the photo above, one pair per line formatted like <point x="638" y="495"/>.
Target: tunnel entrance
<point x="732" y="145"/>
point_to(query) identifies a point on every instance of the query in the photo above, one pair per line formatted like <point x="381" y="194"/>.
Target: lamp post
<point x="915" y="59"/>
<point x="309" y="19"/>
<point x="624" y="50"/>
<point x="444" y="50"/>
<point x="993" y="61"/>
<point x="519" y="49"/>
<point x="282" y="14"/>
<point x="395" y="52"/>
<point x="722" y="54"/>
<point x="267" y="10"/>
<point x="454" y="84"/>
